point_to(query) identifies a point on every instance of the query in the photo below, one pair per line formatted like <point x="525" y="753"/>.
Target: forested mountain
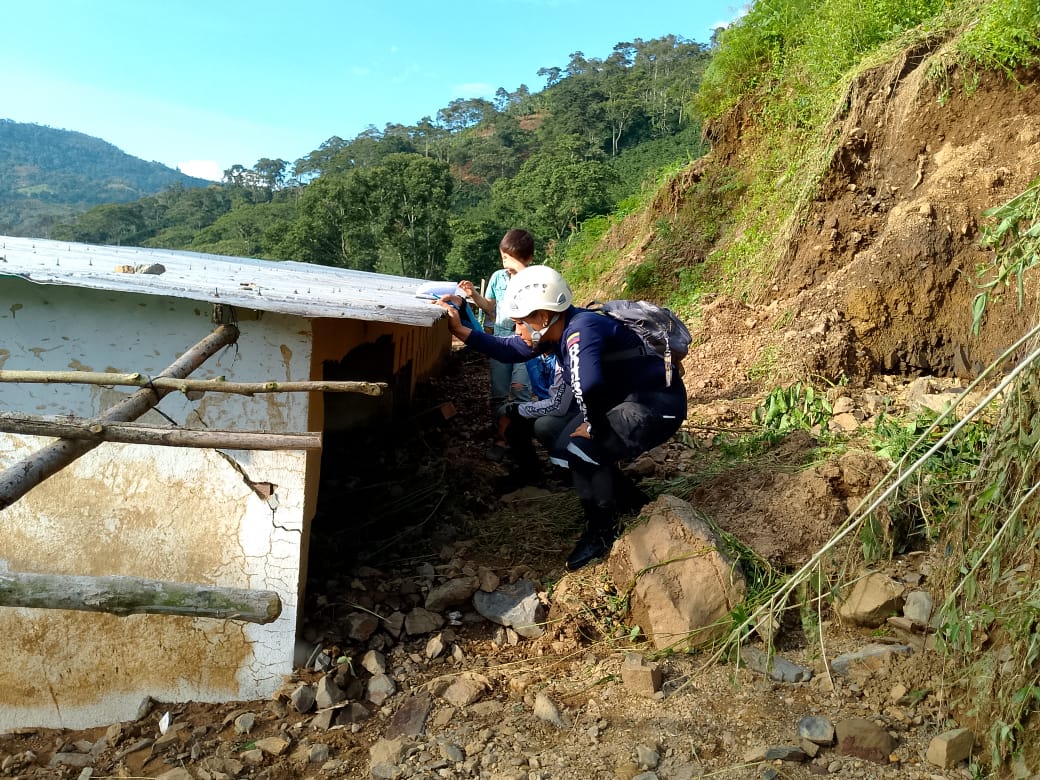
<point x="48" y="174"/>
<point x="433" y="198"/>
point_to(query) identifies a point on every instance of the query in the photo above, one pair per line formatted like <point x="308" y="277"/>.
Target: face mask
<point x="536" y="335"/>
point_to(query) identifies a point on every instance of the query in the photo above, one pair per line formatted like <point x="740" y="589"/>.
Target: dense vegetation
<point x="788" y="64"/>
<point x="968" y="487"/>
<point x="48" y="174"/>
<point x="432" y="199"/>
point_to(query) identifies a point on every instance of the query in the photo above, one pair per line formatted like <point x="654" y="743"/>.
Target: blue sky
<point x="205" y="85"/>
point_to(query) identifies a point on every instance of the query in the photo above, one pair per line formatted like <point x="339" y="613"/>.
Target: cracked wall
<point x="180" y="514"/>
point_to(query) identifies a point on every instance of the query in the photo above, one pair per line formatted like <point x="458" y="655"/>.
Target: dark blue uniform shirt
<point x="603" y="361"/>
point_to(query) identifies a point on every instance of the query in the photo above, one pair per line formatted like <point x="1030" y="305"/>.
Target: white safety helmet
<point x="537" y="287"/>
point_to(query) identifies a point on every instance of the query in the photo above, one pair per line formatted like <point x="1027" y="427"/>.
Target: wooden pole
<point x="165" y="382"/>
<point x="133" y="595"/>
<point x="137" y="433"/>
<point x="22" y="477"/>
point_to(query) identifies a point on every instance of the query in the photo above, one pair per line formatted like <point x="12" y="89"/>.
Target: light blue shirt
<point x="496" y="290"/>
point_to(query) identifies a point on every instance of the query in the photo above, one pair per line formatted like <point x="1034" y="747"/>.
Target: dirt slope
<point x="877" y="280"/>
<point x="881" y="274"/>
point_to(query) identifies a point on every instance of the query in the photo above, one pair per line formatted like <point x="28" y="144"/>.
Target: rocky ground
<point x="400" y="676"/>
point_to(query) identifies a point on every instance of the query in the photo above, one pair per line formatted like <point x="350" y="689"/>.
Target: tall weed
<point x="580" y="257"/>
<point x="1014" y="234"/>
<point x="1004" y="36"/>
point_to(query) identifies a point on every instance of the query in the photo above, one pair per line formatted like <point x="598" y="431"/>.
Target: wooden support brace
<point x="184" y="385"/>
<point x="137" y="433"/>
<point x="19" y="479"/>
<point x="133" y="595"/>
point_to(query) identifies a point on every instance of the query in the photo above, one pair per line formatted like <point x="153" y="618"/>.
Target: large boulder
<point x="872" y="600"/>
<point x="682" y="585"/>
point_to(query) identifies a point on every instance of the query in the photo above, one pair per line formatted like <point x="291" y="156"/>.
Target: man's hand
<point x="454" y="301"/>
<point x="470" y="291"/>
<point x="582" y="431"/>
<point x="451" y="304"/>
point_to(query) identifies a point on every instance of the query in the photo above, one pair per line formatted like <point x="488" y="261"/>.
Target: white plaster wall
<point x="177" y="514"/>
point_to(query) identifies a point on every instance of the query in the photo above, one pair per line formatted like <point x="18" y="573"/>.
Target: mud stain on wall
<point x="103" y="654"/>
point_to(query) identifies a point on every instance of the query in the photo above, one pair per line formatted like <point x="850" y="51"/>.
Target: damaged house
<point x="161" y="416"/>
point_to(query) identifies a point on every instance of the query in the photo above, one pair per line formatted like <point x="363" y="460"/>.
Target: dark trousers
<point x="639" y="423"/>
<point x="546" y="430"/>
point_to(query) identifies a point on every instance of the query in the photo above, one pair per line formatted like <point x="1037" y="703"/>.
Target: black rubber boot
<point x="526" y="466"/>
<point x="517" y="478"/>
<point x="601" y="531"/>
<point x="630" y="499"/>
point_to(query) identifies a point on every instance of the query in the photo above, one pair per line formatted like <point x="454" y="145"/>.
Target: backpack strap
<point x="624" y="354"/>
<point x="628" y="354"/>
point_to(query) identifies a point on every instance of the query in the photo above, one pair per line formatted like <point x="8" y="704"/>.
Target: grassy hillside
<point x="47" y="175"/>
<point x="776" y="83"/>
<point x="870" y="207"/>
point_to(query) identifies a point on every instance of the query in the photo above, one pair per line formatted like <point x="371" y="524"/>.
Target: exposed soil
<point x="416" y="509"/>
<point x="874" y="289"/>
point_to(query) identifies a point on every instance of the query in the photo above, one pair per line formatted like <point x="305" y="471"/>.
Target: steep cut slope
<point x="892" y="243"/>
<point x="879" y="274"/>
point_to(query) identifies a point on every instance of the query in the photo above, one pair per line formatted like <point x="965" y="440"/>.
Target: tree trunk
<point x="22" y="477"/>
<point x="133" y="595"/>
<point x="136" y="433"/>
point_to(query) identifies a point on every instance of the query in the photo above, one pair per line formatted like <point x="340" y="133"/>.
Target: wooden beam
<point x="184" y="385"/>
<point x="19" y="479"/>
<point x="122" y="596"/>
<point x="137" y="433"/>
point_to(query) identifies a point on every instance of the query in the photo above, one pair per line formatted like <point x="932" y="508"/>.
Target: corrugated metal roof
<point x="302" y="289"/>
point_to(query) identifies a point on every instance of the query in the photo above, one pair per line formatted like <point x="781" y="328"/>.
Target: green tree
<point x="669" y="70"/>
<point x="429" y="140"/>
<point x="551" y="75"/>
<point x="198" y="208"/>
<point x="244" y="231"/>
<point x="271" y="172"/>
<point x="368" y="149"/>
<point x="336" y="224"/>
<point x="555" y="190"/>
<point x="575" y="107"/>
<point x="506" y="100"/>
<point x="318" y="161"/>
<point x="474" y="249"/>
<point x="236" y="175"/>
<point x="391" y="217"/>
<point x="485" y="158"/>
<point x="414" y="195"/>
<point x="114" y="223"/>
<point x="458" y="117"/>
<point x="622" y="104"/>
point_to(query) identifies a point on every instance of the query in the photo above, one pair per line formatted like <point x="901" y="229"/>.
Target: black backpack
<point x="661" y="331"/>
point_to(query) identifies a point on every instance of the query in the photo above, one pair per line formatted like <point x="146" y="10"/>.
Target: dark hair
<point x="518" y="243"/>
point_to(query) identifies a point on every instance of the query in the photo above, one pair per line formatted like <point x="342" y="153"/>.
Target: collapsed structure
<point x="161" y="416"/>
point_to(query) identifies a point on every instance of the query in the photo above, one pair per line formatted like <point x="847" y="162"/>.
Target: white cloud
<point x="203" y="169"/>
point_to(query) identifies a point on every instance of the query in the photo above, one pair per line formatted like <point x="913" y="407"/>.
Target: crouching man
<point x="626" y="405"/>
